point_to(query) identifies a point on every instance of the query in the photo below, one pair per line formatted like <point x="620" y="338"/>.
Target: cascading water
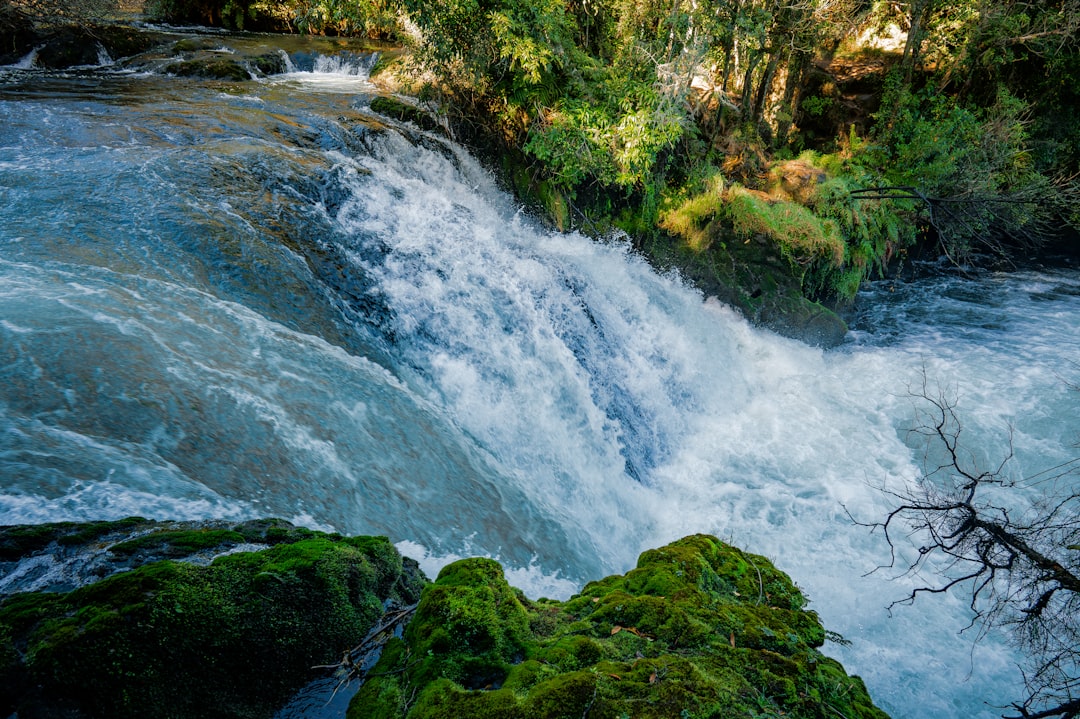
<point x="236" y="300"/>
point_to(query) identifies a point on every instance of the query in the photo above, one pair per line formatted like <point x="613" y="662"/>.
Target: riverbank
<point x="787" y="241"/>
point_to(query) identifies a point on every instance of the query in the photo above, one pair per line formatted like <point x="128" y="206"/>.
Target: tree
<point x="971" y="170"/>
<point x="1020" y="564"/>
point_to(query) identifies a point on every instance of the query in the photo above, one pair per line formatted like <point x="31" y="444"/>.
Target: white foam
<point x="582" y="372"/>
<point x="335" y="73"/>
<point x="531" y="579"/>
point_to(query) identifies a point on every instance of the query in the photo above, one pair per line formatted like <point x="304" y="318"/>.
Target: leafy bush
<point x="973" y="166"/>
<point x="803" y="237"/>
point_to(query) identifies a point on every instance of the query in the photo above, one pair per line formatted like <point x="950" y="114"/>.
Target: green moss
<point x="795" y="229"/>
<point x="233" y="639"/>
<point x="180" y="542"/>
<point x="698" y="628"/>
<point x="691" y="220"/>
<point x="190" y="44"/>
<point x="211" y="68"/>
<point x="19" y="541"/>
<point x="272" y="531"/>
<point x="405" y="112"/>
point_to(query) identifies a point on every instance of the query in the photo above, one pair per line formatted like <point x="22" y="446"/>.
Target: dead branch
<point x="1016" y="558"/>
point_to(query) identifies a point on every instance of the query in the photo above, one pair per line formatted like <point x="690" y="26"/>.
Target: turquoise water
<point x="237" y="300"/>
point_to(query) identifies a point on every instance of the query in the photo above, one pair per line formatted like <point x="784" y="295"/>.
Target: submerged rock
<point x="234" y="638"/>
<point x="698" y="629"/>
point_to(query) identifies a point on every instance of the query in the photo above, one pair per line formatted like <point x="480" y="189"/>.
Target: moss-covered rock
<point x="232" y="639"/>
<point x="24" y="540"/>
<point x="212" y="65"/>
<point x="698" y="629"/>
<point x="212" y="68"/>
<point x="74" y="45"/>
<point x="405" y="112"/>
<point x="753" y="276"/>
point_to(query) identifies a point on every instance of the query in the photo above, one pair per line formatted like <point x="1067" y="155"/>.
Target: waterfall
<point x="272" y="302"/>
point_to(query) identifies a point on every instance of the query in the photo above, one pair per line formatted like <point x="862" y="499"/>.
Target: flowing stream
<point x="261" y="298"/>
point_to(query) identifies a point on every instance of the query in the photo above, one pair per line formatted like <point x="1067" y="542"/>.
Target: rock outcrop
<point x="169" y="638"/>
<point x="138" y="618"/>
<point x="698" y="629"/>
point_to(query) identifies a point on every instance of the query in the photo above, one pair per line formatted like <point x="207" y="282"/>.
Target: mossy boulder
<point x="211" y="68"/>
<point x="25" y="540"/>
<point x="402" y="111"/>
<point x="74" y="45"/>
<point x="211" y="65"/>
<point x="234" y="638"/>
<point x="698" y="629"/>
<point x="753" y="276"/>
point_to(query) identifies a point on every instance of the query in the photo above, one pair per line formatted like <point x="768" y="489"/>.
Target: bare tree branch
<point x="1019" y="560"/>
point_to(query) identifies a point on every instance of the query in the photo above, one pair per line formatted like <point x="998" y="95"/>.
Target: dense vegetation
<point x="747" y="143"/>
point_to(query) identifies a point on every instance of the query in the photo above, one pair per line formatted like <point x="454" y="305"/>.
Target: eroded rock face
<point x="232" y="638"/>
<point x="17" y="36"/>
<point x="75" y="46"/>
<point x="698" y="629"/>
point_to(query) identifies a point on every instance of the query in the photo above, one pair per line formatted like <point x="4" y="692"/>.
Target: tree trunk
<point x="920" y="14"/>
<point x="758" y="109"/>
<point x="792" y="95"/>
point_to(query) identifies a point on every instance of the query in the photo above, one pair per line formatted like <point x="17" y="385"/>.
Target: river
<point x="241" y="299"/>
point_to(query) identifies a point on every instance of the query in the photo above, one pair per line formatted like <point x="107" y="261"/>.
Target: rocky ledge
<point x="140" y="618"/>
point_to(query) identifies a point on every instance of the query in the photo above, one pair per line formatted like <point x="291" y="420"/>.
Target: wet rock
<point x="267" y="64"/>
<point x="753" y="277"/>
<point x="213" y="68"/>
<point x="74" y="46"/>
<point x="404" y="112"/>
<point x="699" y="628"/>
<point x="17" y="35"/>
<point x="235" y="68"/>
<point x="232" y="637"/>
<point x="221" y="619"/>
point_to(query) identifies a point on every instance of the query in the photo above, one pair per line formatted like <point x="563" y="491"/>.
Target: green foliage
<point x="692" y="219"/>
<point x="815" y="105"/>
<point x="978" y="161"/>
<point x="493" y="46"/>
<point x="370" y="18"/>
<point x="699" y="628"/>
<point x="367" y="18"/>
<point x="616" y="144"/>
<point x="801" y="235"/>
